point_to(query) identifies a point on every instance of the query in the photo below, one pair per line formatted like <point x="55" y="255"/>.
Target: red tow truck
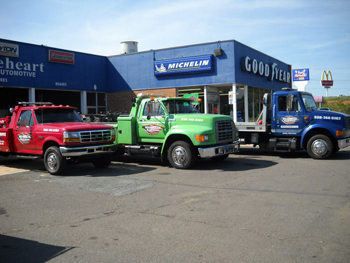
<point x="57" y="134"/>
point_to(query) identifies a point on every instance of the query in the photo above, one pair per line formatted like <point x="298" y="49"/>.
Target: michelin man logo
<point x="161" y="69"/>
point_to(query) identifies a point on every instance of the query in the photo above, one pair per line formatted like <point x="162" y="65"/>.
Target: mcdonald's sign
<point x="326" y="79"/>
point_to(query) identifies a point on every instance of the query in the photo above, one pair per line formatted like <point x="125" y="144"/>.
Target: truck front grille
<point x="225" y="131"/>
<point x="347" y="123"/>
<point x="95" y="136"/>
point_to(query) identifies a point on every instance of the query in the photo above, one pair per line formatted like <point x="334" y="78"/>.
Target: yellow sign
<point x="326" y="79"/>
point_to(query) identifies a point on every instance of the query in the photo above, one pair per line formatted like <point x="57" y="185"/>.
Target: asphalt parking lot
<point x="255" y="206"/>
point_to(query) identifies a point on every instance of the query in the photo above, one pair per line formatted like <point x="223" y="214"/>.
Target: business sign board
<point x="270" y="71"/>
<point x="301" y="74"/>
<point x="34" y="69"/>
<point x="9" y="50"/>
<point x="184" y="65"/>
<point x="326" y="79"/>
<point x="61" y="57"/>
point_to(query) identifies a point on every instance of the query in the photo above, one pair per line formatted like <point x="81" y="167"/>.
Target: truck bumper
<point x="344" y="143"/>
<point x="88" y="150"/>
<point x="218" y="150"/>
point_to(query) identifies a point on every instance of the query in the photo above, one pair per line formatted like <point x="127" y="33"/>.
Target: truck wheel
<point x="102" y="162"/>
<point x="181" y="155"/>
<point x="54" y="161"/>
<point x="319" y="147"/>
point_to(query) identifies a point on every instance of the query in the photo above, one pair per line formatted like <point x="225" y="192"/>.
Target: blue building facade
<point x="213" y="71"/>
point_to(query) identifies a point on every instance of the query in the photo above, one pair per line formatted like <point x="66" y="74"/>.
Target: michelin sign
<point x="185" y="65"/>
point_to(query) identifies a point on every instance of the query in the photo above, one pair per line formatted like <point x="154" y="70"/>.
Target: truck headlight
<point x="114" y="133"/>
<point x="71" y="137"/>
<point x="201" y="138"/>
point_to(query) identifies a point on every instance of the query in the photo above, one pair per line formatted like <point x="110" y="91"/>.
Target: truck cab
<point x="290" y="121"/>
<point x="173" y="129"/>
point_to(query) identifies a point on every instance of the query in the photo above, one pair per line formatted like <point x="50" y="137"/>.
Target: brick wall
<point x="121" y="101"/>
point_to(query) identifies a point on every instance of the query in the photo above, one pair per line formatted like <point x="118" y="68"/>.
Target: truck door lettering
<point x="24" y="137"/>
<point x="289" y="119"/>
<point x="152" y="129"/>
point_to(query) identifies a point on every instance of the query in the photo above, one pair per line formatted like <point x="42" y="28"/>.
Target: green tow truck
<point x="173" y="129"/>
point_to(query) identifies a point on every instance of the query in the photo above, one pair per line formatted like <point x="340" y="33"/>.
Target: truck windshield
<point x="180" y="106"/>
<point x="309" y="102"/>
<point x="56" y="115"/>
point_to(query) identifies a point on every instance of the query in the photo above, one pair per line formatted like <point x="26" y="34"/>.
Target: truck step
<point x="283" y="144"/>
<point x="28" y="157"/>
<point x="153" y="150"/>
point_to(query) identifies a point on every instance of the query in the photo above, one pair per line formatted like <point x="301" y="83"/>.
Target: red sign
<point x="327" y="82"/>
<point x="61" y="57"/>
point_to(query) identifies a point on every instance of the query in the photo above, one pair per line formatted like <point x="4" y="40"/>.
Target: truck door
<point x="24" y="133"/>
<point x="288" y="118"/>
<point x="152" y="122"/>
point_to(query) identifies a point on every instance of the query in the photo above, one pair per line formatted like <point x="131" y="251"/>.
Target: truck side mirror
<point x="265" y="98"/>
<point x="290" y="103"/>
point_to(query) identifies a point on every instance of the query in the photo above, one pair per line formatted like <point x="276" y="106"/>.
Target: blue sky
<point x="312" y="34"/>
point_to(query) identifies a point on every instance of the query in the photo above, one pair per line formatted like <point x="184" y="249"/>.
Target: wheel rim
<point x="179" y="155"/>
<point x="319" y="147"/>
<point x="52" y="161"/>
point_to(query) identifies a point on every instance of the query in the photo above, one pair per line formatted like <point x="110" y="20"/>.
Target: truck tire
<point x="102" y="162"/>
<point x="54" y="161"/>
<point x="319" y="147"/>
<point x="181" y="155"/>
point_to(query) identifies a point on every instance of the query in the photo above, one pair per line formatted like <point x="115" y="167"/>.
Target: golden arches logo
<point x="326" y="79"/>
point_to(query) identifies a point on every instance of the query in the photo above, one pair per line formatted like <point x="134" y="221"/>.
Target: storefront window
<point x="96" y="103"/>
<point x="240" y="104"/>
<point x="91" y="99"/>
<point x="255" y="99"/>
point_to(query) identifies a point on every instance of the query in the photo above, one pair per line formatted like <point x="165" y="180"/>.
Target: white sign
<point x="19" y="69"/>
<point x="9" y="50"/>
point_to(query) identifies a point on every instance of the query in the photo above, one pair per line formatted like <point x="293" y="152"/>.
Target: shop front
<point x="226" y="76"/>
<point x="42" y="74"/>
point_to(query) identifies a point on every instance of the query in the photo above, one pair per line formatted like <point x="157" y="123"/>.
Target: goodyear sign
<point x="185" y="65"/>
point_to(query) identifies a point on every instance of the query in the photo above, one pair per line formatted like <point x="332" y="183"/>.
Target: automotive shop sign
<point x="19" y="69"/>
<point x="9" y="50"/>
<point x="185" y="65"/>
<point x="61" y="57"/>
<point x="271" y="71"/>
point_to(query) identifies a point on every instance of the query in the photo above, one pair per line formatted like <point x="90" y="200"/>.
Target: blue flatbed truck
<point x="290" y="121"/>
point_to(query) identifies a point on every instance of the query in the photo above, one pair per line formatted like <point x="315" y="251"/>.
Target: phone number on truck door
<point x="327" y="118"/>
